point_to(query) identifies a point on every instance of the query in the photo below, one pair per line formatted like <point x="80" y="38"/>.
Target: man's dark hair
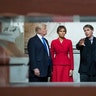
<point x="89" y="26"/>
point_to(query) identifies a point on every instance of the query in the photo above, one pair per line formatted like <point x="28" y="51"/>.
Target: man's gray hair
<point x="39" y="26"/>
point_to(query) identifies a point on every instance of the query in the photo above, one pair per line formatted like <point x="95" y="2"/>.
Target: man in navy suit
<point x="39" y="56"/>
<point x="87" y="47"/>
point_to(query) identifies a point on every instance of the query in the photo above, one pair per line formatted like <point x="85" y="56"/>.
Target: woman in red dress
<point x="62" y="57"/>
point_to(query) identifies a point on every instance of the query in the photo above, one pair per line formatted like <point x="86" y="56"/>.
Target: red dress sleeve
<point x="71" y="56"/>
<point x="52" y="50"/>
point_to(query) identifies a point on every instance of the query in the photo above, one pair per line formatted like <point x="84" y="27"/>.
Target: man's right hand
<point x="81" y="43"/>
<point x="37" y="72"/>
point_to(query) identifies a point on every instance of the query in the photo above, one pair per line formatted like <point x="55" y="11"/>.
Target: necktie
<point x="45" y="46"/>
<point x="44" y="43"/>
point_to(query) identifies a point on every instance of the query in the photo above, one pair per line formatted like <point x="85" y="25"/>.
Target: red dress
<point x="62" y="58"/>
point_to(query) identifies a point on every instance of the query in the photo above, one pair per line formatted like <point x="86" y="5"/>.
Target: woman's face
<point x="62" y="33"/>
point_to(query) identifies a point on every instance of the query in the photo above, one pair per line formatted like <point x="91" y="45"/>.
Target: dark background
<point x="54" y="7"/>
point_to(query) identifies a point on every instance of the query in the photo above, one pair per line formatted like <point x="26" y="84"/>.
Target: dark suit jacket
<point x="38" y="57"/>
<point x="87" y="57"/>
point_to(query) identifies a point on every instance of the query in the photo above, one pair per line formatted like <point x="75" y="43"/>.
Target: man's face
<point x="88" y="32"/>
<point x="43" y="30"/>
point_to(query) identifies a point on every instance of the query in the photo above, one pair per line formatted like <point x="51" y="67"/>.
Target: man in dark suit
<point x="39" y="56"/>
<point x="87" y="47"/>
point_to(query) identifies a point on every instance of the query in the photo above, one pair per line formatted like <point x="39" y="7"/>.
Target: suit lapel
<point x="87" y="42"/>
<point x="40" y="43"/>
<point x="90" y="47"/>
<point x="61" y="44"/>
<point x="94" y="43"/>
